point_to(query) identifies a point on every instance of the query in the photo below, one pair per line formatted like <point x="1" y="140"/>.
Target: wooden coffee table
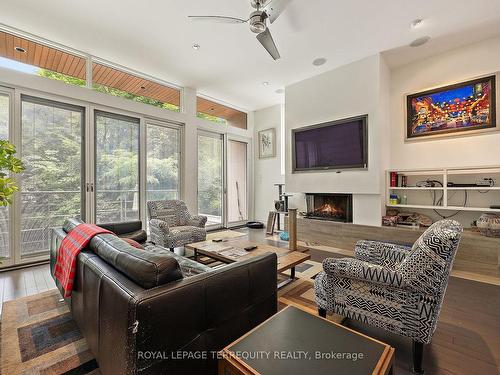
<point x="295" y="342"/>
<point x="232" y="250"/>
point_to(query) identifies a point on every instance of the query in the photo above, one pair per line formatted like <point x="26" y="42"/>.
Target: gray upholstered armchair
<point x="171" y="225"/>
<point x="397" y="288"/>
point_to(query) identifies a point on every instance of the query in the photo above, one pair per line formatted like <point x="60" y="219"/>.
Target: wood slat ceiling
<point x="107" y="76"/>
<point x="46" y="57"/>
<point x="233" y="116"/>
<point x="41" y="56"/>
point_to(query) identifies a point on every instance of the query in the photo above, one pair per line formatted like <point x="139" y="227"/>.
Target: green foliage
<point x="8" y="163"/>
<point x="137" y="98"/>
<point x="61" y="77"/>
<point x="208" y="117"/>
<point x="107" y="90"/>
<point x="209" y="176"/>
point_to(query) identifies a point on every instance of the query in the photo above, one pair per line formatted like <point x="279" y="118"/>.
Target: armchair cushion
<point x="382" y="253"/>
<point x="197" y="221"/>
<point x="364" y="271"/>
<point x="160" y="224"/>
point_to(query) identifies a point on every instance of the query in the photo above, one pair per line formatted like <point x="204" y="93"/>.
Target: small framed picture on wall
<point x="267" y="143"/>
<point x="452" y="110"/>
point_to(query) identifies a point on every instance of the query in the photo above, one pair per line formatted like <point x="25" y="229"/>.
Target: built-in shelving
<point x="448" y="196"/>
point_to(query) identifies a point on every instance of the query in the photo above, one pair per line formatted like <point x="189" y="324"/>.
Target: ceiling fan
<point x="264" y="10"/>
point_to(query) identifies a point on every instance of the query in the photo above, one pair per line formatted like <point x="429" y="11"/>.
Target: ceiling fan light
<point x="257" y="22"/>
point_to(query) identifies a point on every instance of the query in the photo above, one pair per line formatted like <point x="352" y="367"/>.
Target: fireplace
<point x="334" y="207"/>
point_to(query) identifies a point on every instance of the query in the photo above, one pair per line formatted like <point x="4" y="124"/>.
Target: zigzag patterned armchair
<point x="171" y="225"/>
<point x="397" y="288"/>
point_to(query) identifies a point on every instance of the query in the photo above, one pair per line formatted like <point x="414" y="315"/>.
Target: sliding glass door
<point x="163" y="146"/>
<point x="51" y="185"/>
<point x="116" y="167"/>
<point x="211" y="177"/>
<point x="237" y="160"/>
<point x="5" y="114"/>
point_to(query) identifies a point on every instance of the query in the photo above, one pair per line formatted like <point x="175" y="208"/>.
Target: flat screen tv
<point x="341" y="144"/>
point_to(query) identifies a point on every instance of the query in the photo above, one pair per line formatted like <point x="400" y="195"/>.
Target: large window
<point x="117" y="167"/>
<point x="163" y="162"/>
<point x="4" y="211"/>
<point x="51" y="137"/>
<point x="210" y="177"/>
<point x="36" y="58"/>
<point x="221" y="114"/>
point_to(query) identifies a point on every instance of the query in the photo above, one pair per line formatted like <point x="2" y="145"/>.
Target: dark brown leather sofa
<point x="142" y="313"/>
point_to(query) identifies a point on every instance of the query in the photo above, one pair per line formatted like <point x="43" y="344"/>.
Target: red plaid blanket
<point x="74" y="242"/>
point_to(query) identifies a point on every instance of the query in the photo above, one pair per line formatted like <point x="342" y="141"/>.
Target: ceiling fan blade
<point x="218" y="19"/>
<point x="265" y="38"/>
<point x="275" y="7"/>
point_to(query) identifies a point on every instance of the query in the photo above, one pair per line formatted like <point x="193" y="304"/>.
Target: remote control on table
<point x="250" y="248"/>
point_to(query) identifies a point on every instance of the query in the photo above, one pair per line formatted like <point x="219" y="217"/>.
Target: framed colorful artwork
<point x="452" y="109"/>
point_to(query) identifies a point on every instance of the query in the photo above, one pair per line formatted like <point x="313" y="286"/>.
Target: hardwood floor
<point x="24" y="282"/>
<point x="466" y="342"/>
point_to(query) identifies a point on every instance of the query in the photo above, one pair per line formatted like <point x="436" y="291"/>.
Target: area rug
<point x="225" y="234"/>
<point x="39" y="336"/>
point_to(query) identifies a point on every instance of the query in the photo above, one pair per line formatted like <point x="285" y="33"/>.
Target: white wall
<point x="347" y="91"/>
<point x="450" y="67"/>
<point x="267" y="171"/>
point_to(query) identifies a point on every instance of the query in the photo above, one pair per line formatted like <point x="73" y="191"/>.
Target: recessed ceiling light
<point x="280" y="91"/>
<point x="265" y="83"/>
<point x="319" y="61"/>
<point x="416" y="23"/>
<point x="20" y="49"/>
<point x="420" y="41"/>
<point x="196" y="47"/>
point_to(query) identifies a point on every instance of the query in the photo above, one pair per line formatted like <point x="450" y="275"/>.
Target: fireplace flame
<point x="329" y="209"/>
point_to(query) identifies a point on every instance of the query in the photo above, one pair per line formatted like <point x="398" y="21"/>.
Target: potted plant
<point x="8" y="164"/>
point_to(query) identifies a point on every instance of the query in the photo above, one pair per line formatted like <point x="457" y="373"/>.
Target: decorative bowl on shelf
<point x="489" y="225"/>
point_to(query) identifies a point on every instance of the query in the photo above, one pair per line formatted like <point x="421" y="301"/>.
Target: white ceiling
<point x="156" y="37"/>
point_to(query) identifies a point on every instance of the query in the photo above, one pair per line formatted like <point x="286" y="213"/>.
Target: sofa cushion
<point x="145" y="268"/>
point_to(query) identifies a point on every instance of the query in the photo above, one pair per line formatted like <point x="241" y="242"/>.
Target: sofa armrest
<point x="197" y="221"/>
<point x="159" y="225"/>
<point x="381" y="253"/>
<point x="364" y="271"/>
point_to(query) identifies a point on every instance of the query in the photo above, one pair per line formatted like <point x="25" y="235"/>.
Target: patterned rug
<point x="40" y="337"/>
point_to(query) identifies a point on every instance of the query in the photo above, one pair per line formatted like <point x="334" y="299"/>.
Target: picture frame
<point x="452" y="110"/>
<point x="267" y="143"/>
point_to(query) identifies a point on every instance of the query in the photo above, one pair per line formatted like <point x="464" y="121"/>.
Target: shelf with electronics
<point x="475" y="189"/>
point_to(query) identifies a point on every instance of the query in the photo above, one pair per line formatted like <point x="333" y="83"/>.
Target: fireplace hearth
<point x="326" y="206"/>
